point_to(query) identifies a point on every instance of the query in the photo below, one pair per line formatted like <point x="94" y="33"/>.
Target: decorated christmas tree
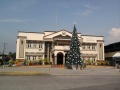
<point x="74" y="56"/>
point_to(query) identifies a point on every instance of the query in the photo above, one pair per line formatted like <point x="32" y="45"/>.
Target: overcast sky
<point x="93" y="17"/>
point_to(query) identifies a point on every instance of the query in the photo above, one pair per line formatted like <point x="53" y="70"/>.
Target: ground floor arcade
<point x="59" y="58"/>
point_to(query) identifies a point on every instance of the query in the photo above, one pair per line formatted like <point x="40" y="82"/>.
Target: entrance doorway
<point x="59" y="58"/>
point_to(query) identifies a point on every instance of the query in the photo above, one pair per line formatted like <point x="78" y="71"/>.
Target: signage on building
<point x="89" y="39"/>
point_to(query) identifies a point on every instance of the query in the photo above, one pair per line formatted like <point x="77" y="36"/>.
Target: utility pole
<point x="4" y="47"/>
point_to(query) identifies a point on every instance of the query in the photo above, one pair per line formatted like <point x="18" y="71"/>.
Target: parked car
<point x="118" y="66"/>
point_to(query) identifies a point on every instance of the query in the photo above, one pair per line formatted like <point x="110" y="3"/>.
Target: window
<point x="88" y="46"/>
<point x="34" y="44"/>
<point x="40" y="57"/>
<point x="29" y="45"/>
<point x="83" y="46"/>
<point x="40" y="45"/>
<point x="93" y="46"/>
<point x="34" y="57"/>
<point x="28" y="57"/>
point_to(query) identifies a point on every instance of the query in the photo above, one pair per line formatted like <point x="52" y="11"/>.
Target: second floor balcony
<point x="67" y="48"/>
<point x="59" y="47"/>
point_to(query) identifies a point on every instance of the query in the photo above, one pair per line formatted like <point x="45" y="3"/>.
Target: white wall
<point x="92" y="39"/>
<point x="32" y="36"/>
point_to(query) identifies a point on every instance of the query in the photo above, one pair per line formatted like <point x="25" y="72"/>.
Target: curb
<point x="22" y="74"/>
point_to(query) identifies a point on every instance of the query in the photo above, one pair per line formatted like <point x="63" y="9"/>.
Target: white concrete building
<point x="54" y="45"/>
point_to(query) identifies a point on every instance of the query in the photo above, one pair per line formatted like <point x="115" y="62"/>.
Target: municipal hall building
<point x="54" y="45"/>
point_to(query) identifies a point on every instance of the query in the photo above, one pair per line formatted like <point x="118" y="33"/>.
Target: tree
<point x="74" y="56"/>
<point x="13" y="55"/>
<point x="10" y="53"/>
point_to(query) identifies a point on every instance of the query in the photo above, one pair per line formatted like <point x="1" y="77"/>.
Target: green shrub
<point x="102" y="62"/>
<point x="16" y="61"/>
<point x="89" y="62"/>
<point x="11" y="62"/>
<point x="46" y="61"/>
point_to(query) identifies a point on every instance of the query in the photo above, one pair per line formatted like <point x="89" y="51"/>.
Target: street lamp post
<point x="48" y="58"/>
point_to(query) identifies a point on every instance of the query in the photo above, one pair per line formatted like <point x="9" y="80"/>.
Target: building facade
<point x="112" y="53"/>
<point x="54" y="45"/>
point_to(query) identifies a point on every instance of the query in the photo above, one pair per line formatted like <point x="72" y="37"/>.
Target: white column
<point x="43" y="57"/>
<point x="103" y="52"/>
<point x="97" y="48"/>
<point x="43" y="46"/>
<point x="25" y="48"/>
<point x="55" y="59"/>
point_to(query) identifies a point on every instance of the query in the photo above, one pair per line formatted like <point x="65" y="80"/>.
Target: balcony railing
<point x="60" y="48"/>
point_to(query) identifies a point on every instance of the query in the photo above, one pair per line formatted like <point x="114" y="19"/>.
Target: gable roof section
<point x="58" y="33"/>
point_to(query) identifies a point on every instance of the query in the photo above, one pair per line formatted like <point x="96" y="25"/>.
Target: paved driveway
<point x="82" y="82"/>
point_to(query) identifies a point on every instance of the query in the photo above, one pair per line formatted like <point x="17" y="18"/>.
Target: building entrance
<point x="59" y="58"/>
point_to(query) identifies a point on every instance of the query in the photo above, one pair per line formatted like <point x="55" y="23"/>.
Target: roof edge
<point x="29" y="32"/>
<point x="92" y="35"/>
